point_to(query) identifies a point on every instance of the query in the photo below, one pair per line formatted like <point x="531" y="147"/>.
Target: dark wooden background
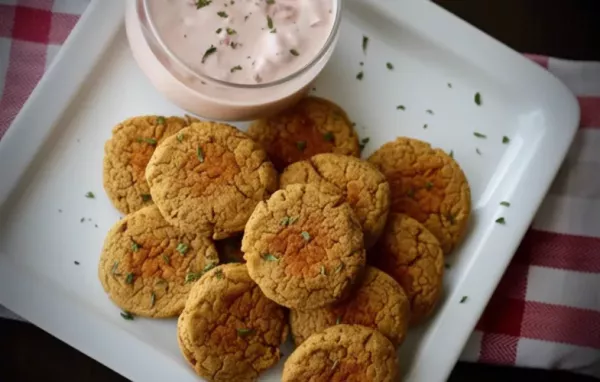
<point x="561" y="28"/>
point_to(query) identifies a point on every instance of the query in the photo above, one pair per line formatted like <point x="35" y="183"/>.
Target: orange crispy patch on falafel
<point x="377" y="302"/>
<point x="146" y="264"/>
<point x="304" y="246"/>
<point x="362" y="186"/>
<point x="229" y="331"/>
<point x="208" y="178"/>
<point x="311" y="127"/>
<point x="427" y="185"/>
<point x="343" y="353"/>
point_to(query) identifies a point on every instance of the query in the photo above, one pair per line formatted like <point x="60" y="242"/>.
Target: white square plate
<point x="52" y="156"/>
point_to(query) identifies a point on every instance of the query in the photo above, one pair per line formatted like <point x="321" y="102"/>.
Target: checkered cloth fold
<point x="546" y="310"/>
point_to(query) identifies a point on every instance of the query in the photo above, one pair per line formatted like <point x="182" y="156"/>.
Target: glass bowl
<point x="212" y="98"/>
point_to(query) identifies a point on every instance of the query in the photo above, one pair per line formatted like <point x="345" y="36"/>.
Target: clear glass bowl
<point x="208" y="97"/>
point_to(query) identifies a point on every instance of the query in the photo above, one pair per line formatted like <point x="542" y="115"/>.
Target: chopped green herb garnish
<point x="114" y="268"/>
<point x="219" y="274"/>
<point x="505" y="204"/>
<point x="166" y="259"/>
<point x="447" y="266"/>
<point x="425" y="126"/>
<point x="182" y="248"/>
<point x="76" y="262"/>
<point x="389" y="66"/>
<point x="161" y="120"/>
<point x="338" y="320"/>
<point x="180" y="137"/>
<point x="449" y="85"/>
<point x="146" y="197"/>
<point x="479" y="135"/>
<point x="273" y="30"/>
<point x="152" y="299"/>
<point x="233" y="45"/>
<point x="270" y="23"/>
<point x="231" y="31"/>
<point x="360" y="75"/>
<point x="323" y="272"/>
<point x="477" y="151"/>
<point x="428" y="185"/>
<point x="410" y="193"/>
<point x="429" y="111"/>
<point x="127" y="316"/>
<point x="400" y="107"/>
<point x="451" y="154"/>
<point x="478" y="99"/>
<point x="222" y="14"/>
<point x="208" y="52"/>
<point x="90" y="195"/>
<point x="505" y="139"/>
<point x="269" y="257"/>
<point x="270" y="2"/>
<point x="294" y="52"/>
<point x="301" y="145"/>
<point x="463" y="299"/>
<point x="500" y="221"/>
<point x="208" y="267"/>
<point x="335" y="363"/>
<point x="243" y="332"/>
<point x="236" y="68"/>
<point x="365" y="43"/>
<point x="202" y="3"/>
<point x="200" y="154"/>
<point x="339" y="267"/>
<point x="288" y="220"/>
<point x="305" y="235"/>
<point x="328" y="136"/>
<point x="150" y="141"/>
<point x="129" y="278"/>
<point x="219" y="30"/>
<point x="192" y="276"/>
<point x="135" y="246"/>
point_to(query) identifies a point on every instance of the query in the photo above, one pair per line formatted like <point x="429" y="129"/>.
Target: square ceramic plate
<point x="52" y="156"/>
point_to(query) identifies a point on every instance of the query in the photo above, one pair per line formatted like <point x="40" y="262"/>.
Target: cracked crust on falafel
<point x="126" y="155"/>
<point x="229" y="331"/>
<point x="208" y="178"/>
<point x="312" y="126"/>
<point x="378" y="302"/>
<point x="363" y="186"/>
<point x="146" y="264"/>
<point x="304" y="246"/>
<point x="343" y="353"/>
<point x="410" y="254"/>
<point x="427" y="185"/>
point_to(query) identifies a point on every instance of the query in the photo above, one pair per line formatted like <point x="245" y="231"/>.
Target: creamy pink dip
<point x="243" y="41"/>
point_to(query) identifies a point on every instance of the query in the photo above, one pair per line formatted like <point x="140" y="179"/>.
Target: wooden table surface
<point x="561" y="28"/>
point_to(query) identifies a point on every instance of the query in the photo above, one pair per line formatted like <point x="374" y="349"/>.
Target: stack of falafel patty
<point x="244" y="236"/>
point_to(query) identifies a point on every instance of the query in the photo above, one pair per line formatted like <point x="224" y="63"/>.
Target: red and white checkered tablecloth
<point x="546" y="310"/>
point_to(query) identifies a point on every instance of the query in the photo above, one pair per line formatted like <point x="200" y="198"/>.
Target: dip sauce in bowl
<point x="232" y="59"/>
